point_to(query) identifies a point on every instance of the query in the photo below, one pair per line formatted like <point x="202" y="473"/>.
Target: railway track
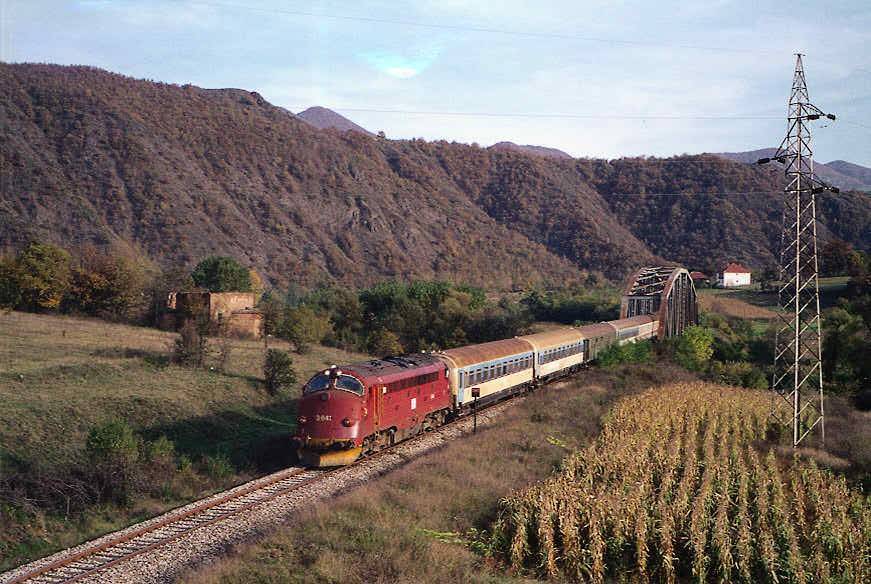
<point x="167" y="528"/>
<point x="168" y="534"/>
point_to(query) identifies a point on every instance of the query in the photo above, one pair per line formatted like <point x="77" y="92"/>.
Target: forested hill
<point x="179" y="172"/>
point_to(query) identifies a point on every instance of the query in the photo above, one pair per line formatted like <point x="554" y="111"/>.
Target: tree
<point x="222" y="274"/>
<point x="105" y="285"/>
<point x="837" y="257"/>
<point x="384" y="343"/>
<point x="278" y="371"/>
<point x="44" y="276"/>
<point x="190" y="346"/>
<point x="10" y="289"/>
<point x="694" y="348"/>
<point x="256" y="284"/>
<point x="113" y="451"/>
<point x="303" y="327"/>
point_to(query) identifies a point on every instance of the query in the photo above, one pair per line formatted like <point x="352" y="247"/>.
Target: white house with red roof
<point x="733" y="275"/>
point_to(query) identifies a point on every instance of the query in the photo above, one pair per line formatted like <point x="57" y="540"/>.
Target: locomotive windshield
<point x="323" y="381"/>
<point x="349" y="383"/>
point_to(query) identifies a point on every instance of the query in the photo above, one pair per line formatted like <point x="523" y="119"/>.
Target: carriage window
<point x="349" y="383"/>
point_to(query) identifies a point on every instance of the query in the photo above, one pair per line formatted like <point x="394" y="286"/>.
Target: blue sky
<point x="607" y="64"/>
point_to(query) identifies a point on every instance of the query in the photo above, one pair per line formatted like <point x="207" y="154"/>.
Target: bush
<point x="638" y="352"/>
<point x="218" y="466"/>
<point x="278" y="371"/>
<point x="383" y="343"/>
<point x="222" y="274"/>
<point x="113" y="451"/>
<point x="739" y="373"/>
<point x="44" y="276"/>
<point x="694" y="348"/>
<point x="190" y="346"/>
<point x="159" y="466"/>
<point x="302" y="326"/>
<point x="10" y="289"/>
<point x="106" y="286"/>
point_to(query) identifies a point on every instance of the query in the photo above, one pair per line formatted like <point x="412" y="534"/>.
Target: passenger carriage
<point x="637" y="328"/>
<point x="558" y="352"/>
<point x="497" y="369"/>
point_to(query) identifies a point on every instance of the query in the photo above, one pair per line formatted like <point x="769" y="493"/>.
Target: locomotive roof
<point x="480" y="353"/>
<point x="551" y="338"/>
<point x="632" y="321"/>
<point x="390" y="366"/>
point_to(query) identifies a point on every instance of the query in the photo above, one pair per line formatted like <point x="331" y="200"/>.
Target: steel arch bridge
<point x="665" y="291"/>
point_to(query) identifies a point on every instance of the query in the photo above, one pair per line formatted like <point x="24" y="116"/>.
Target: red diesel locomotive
<point x="357" y="409"/>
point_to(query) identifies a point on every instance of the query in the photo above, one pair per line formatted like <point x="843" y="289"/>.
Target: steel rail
<point x="49" y="572"/>
<point x="168" y="521"/>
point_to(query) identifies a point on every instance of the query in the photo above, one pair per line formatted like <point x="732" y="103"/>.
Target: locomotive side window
<point x="317" y="383"/>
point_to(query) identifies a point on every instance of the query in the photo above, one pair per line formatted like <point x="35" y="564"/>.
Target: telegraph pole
<point x="798" y="373"/>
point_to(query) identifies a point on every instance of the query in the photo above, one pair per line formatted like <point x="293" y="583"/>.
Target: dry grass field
<point x="425" y="522"/>
<point x="732" y="306"/>
<point x="61" y="376"/>
<point x="676" y="488"/>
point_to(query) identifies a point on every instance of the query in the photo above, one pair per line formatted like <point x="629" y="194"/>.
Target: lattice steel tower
<point x="798" y="374"/>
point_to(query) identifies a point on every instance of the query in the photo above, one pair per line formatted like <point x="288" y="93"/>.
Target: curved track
<point x="167" y="528"/>
<point x="95" y="560"/>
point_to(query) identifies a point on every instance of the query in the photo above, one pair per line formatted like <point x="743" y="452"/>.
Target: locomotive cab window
<point x="349" y="383"/>
<point x="317" y="383"/>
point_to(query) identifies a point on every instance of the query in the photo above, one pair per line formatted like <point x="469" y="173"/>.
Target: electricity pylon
<point x="798" y="374"/>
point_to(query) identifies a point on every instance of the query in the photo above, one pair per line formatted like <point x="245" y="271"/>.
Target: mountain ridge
<point x="839" y="173"/>
<point x="180" y="172"/>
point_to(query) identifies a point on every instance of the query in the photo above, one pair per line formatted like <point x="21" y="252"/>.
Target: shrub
<point x="222" y="274"/>
<point x="383" y="343"/>
<point x="278" y="371"/>
<point x="739" y="373"/>
<point x="10" y="289"/>
<point x="159" y="466"/>
<point x="694" y="348"/>
<point x="217" y="466"/>
<point x="44" y="276"/>
<point x="302" y="326"/>
<point x="104" y="285"/>
<point x="190" y="346"/>
<point x="638" y="352"/>
<point x="113" y="451"/>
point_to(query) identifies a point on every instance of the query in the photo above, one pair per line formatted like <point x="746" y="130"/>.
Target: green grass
<point x="61" y="376"/>
<point x="424" y="522"/>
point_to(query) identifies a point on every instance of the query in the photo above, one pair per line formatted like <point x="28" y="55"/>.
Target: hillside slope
<point x="179" y="172"/>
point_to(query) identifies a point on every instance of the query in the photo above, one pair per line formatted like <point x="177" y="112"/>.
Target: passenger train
<point x="353" y="410"/>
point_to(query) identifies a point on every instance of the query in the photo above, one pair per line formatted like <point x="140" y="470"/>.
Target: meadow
<point x="62" y="376"/>
<point x="428" y="521"/>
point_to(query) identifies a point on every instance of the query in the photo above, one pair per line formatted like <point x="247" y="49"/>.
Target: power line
<point x="494" y="30"/>
<point x="481" y="29"/>
<point x="559" y="115"/>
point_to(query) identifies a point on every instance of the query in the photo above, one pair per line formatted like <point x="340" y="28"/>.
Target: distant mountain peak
<point x="839" y="173"/>
<point x="323" y="118"/>
<point x="532" y="150"/>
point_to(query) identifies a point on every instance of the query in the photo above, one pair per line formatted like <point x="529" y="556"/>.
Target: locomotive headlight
<point x="346" y="422"/>
<point x="302" y="420"/>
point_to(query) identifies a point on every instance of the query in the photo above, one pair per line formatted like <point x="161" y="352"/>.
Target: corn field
<point x="675" y="490"/>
